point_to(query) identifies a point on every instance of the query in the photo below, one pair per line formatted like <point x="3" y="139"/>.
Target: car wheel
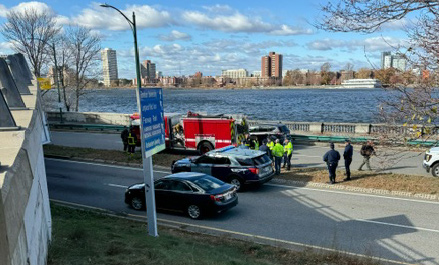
<point x="204" y="147"/>
<point x="137" y="203"/>
<point x="435" y="170"/>
<point x="237" y="182"/>
<point x="194" y="211"/>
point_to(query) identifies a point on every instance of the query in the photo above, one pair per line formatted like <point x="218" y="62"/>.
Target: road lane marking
<point x="306" y="156"/>
<point x="231" y="232"/>
<point x="104" y="165"/>
<point x="396" y="225"/>
<point x="350" y="193"/>
<point x="117" y="185"/>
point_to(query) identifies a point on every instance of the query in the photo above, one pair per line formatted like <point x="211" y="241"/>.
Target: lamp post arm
<point x="131" y="23"/>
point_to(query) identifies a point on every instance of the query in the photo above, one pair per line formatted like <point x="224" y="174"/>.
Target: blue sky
<point x="183" y="37"/>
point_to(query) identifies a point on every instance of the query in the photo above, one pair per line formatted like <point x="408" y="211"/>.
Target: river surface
<point x="312" y="105"/>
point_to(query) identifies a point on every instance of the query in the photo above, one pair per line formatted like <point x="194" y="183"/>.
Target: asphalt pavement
<point x="396" y="160"/>
<point x="400" y="229"/>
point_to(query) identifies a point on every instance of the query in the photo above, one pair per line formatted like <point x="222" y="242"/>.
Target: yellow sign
<point x="44" y="83"/>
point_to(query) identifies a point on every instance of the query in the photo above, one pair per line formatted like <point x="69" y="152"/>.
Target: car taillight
<point x="254" y="170"/>
<point x="217" y="198"/>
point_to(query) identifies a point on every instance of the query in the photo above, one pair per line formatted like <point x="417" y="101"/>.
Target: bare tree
<point x="29" y="32"/>
<point x="413" y="107"/>
<point x="84" y="48"/>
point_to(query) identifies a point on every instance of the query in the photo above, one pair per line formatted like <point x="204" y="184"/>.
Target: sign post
<point x="152" y="135"/>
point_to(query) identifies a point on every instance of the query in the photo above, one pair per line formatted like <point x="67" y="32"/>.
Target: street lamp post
<point x="147" y="161"/>
<point x="57" y="81"/>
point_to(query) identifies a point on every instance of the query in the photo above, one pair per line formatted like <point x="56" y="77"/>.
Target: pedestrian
<point x="347" y="155"/>
<point x="132" y="140"/>
<point x="288" y="153"/>
<point x="278" y="152"/>
<point x="264" y="148"/>
<point x="331" y="158"/>
<point x="366" y="151"/>
<point x="124" y="137"/>
<point x="270" y="145"/>
<point x="247" y="141"/>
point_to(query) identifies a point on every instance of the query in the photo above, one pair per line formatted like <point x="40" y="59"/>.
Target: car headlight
<point x="427" y="157"/>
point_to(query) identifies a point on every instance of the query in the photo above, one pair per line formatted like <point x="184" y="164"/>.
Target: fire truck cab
<point x="195" y="131"/>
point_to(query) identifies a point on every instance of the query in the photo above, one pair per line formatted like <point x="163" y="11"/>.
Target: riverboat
<point x="361" y="83"/>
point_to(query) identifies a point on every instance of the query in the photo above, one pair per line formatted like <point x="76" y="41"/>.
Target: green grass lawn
<point x="86" y="237"/>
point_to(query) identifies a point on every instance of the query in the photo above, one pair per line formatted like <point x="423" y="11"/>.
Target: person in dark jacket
<point x="264" y="148"/>
<point x="347" y="155"/>
<point x="124" y="137"/>
<point x="331" y="158"/>
<point x="366" y="151"/>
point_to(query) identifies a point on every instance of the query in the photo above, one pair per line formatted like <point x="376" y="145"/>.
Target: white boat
<point x="361" y="83"/>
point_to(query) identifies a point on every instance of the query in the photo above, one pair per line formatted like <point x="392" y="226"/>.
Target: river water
<point x="312" y="105"/>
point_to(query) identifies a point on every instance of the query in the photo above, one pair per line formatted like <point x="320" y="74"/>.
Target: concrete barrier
<point x="19" y="73"/>
<point x="24" y="68"/>
<point x="9" y="89"/>
<point x="25" y="220"/>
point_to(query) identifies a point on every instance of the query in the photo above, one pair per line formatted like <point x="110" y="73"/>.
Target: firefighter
<point x="270" y="145"/>
<point x="247" y="141"/>
<point x="254" y="143"/>
<point x="288" y="148"/>
<point x="278" y="152"/>
<point x="132" y="140"/>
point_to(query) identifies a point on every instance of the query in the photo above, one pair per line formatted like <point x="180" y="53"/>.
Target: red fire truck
<point x="195" y="131"/>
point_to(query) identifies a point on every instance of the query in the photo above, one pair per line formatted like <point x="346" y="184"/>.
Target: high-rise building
<point x="109" y="64"/>
<point x="148" y="70"/>
<point x="385" y="59"/>
<point x="235" y="73"/>
<point x="397" y="61"/>
<point x="271" y="65"/>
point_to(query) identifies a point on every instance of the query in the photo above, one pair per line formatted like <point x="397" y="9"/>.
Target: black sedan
<point x="195" y="194"/>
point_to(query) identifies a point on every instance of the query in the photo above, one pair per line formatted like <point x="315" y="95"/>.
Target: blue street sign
<point x="153" y="125"/>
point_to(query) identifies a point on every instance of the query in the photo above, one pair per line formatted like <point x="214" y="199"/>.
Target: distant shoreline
<point x="242" y="88"/>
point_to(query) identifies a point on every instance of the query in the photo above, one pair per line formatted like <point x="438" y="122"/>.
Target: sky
<point x="184" y="37"/>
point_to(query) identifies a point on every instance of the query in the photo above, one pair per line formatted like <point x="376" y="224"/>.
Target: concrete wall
<point x="25" y="220"/>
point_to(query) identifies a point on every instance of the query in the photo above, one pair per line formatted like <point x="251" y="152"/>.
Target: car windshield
<point x="260" y="160"/>
<point x="256" y="161"/>
<point x="284" y="129"/>
<point x="208" y="183"/>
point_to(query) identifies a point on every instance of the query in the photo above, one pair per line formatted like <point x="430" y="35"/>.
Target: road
<point x="392" y="228"/>
<point x="396" y="161"/>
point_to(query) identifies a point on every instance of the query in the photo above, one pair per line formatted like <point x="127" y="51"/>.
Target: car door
<point x="203" y="164"/>
<point x="179" y="195"/>
<point x="221" y="168"/>
<point x="162" y="191"/>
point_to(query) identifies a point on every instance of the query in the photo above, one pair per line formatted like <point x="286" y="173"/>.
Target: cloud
<point x="237" y="22"/>
<point x="286" y="30"/>
<point x="371" y="44"/>
<point x="175" y="35"/>
<point x="98" y="17"/>
<point x="3" y="11"/>
<point x="218" y="8"/>
<point x="38" y="6"/>
<point x="5" y="46"/>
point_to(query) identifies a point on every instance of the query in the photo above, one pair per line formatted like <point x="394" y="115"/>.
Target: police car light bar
<point x="225" y="149"/>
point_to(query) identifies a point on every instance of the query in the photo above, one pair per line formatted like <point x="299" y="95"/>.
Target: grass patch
<point x="365" y="179"/>
<point x="161" y="159"/>
<point x="86" y="237"/>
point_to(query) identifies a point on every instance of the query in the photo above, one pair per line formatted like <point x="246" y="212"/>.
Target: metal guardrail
<point x="87" y="127"/>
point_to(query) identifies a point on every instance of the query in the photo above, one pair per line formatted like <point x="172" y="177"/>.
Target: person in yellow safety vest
<point x="278" y="152"/>
<point x="132" y="140"/>
<point x="270" y="145"/>
<point x="246" y="141"/>
<point x="254" y="143"/>
<point x="288" y="153"/>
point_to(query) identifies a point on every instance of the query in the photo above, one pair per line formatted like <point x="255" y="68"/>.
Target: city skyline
<point x="183" y="38"/>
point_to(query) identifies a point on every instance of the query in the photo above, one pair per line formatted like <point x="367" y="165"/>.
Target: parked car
<point x="230" y="164"/>
<point x="195" y="194"/>
<point x="274" y="131"/>
<point x="431" y="161"/>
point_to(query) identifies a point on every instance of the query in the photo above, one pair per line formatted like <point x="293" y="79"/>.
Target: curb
<point x="294" y="183"/>
<point x="297" y="183"/>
